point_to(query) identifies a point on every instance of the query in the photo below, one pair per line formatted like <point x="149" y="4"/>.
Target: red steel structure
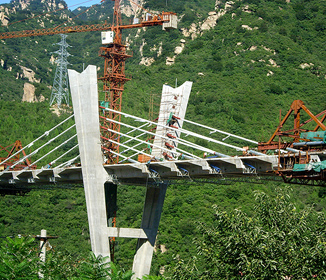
<point x="12" y="152"/>
<point x="114" y="78"/>
<point x="53" y="31"/>
<point x="294" y="134"/>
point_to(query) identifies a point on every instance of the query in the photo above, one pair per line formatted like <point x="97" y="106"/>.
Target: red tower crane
<point x="114" y="78"/>
<point x="114" y="52"/>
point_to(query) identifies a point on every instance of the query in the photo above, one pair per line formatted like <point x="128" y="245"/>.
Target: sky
<point x="72" y="4"/>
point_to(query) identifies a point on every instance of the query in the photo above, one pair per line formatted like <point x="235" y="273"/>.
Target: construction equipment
<point x="298" y="134"/>
<point x="301" y="152"/>
<point x="114" y="52"/>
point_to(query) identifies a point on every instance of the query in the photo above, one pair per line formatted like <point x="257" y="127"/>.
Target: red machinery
<point x="294" y="134"/>
<point x="301" y="151"/>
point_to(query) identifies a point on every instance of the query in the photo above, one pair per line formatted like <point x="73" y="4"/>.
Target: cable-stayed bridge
<point x="150" y="154"/>
<point x="137" y="165"/>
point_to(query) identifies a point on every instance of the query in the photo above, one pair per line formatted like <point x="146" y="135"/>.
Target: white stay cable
<point x="46" y="133"/>
<point x="71" y="149"/>
<point x="161" y="148"/>
<point x="142" y="134"/>
<point x="130" y="157"/>
<point x="201" y="148"/>
<point x="135" y="130"/>
<point x="181" y="130"/>
<point x="126" y="150"/>
<point x="47" y="143"/>
<point x="124" y="157"/>
<point x="178" y="140"/>
<point x="161" y="136"/>
<point x="69" y="162"/>
<point x="50" y="152"/>
<point x="117" y="143"/>
<point x="213" y="130"/>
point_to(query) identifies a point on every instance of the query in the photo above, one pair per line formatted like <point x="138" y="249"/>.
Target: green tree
<point x="277" y="242"/>
<point x="59" y="266"/>
<point x="99" y="268"/>
<point x="18" y="260"/>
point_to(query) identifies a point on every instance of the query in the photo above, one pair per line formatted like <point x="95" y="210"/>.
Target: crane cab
<point x="107" y="37"/>
<point x="170" y="21"/>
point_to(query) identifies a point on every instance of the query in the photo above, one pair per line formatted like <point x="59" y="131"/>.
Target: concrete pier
<point x="151" y="218"/>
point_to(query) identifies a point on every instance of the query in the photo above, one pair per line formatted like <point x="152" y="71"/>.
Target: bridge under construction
<point x="153" y="158"/>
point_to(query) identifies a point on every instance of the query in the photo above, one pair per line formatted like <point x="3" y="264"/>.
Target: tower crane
<point x="114" y="52"/>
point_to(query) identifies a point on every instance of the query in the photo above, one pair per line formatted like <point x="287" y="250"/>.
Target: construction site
<point x="113" y="149"/>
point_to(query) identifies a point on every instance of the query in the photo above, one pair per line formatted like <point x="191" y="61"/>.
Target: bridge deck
<point x="142" y="173"/>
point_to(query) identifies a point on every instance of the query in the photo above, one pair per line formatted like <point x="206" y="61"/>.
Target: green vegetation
<point x="20" y="260"/>
<point x="277" y="233"/>
<point x="258" y="58"/>
<point x="276" y="242"/>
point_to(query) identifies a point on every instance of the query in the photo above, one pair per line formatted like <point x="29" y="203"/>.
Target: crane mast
<point x="114" y="78"/>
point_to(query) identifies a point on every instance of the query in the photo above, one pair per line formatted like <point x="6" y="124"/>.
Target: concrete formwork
<point x="173" y="101"/>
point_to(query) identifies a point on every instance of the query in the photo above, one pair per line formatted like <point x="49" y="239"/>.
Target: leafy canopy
<point x="277" y="242"/>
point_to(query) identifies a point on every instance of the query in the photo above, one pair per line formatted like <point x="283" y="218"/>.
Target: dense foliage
<point x="277" y="242"/>
<point x="20" y="260"/>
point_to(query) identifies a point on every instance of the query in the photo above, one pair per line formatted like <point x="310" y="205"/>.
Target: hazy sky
<point x="72" y="4"/>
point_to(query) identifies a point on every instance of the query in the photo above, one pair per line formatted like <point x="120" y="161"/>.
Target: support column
<point x="43" y="246"/>
<point x="151" y="218"/>
<point x="84" y="93"/>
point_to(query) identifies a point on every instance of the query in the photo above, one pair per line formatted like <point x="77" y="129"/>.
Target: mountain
<point x="248" y="60"/>
<point x="232" y="52"/>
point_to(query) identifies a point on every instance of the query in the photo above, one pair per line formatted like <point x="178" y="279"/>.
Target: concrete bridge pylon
<point x="85" y="103"/>
<point x="84" y="92"/>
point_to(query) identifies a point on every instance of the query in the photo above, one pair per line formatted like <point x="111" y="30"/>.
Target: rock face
<point x="178" y="50"/>
<point x="49" y="5"/>
<point x="147" y="61"/>
<point x="4" y="12"/>
<point x="29" y="93"/>
<point x="306" y="65"/>
<point x="30" y="75"/>
<point x="16" y="5"/>
<point x="210" y="22"/>
<point x="196" y="30"/>
<point x="170" y="60"/>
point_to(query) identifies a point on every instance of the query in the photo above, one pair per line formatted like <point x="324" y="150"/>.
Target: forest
<point x="254" y="61"/>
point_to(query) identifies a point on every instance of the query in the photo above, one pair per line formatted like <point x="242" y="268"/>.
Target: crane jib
<point x="53" y="31"/>
<point x="168" y="20"/>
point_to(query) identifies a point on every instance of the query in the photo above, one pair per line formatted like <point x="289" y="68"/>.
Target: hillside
<point x="238" y="56"/>
<point x="247" y="59"/>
